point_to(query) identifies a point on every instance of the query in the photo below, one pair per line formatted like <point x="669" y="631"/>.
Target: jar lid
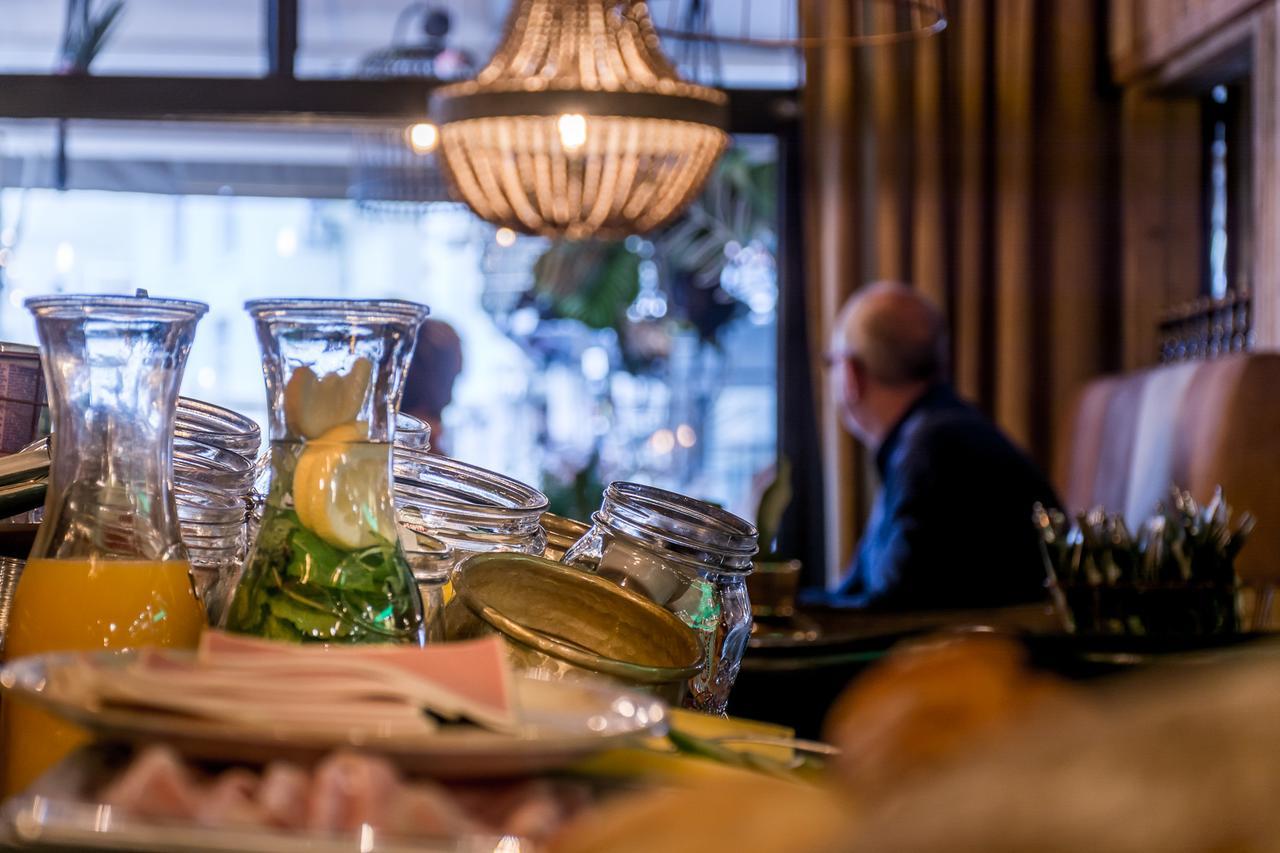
<point x="578" y="617"/>
<point x="690" y="531"/>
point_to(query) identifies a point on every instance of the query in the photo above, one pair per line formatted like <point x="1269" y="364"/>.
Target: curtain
<point x="981" y="166"/>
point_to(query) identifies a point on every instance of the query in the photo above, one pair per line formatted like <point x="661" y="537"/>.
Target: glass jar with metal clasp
<point x="687" y="555"/>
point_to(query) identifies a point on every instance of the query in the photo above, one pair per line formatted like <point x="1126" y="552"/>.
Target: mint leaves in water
<point x="299" y="588"/>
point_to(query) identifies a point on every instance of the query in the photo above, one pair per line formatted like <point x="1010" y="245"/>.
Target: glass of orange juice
<point x="108" y="569"/>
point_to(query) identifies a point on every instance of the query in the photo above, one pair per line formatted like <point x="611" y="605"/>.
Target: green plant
<point x="591" y="282"/>
<point x="299" y="588"/>
<point x="579" y="495"/>
<point x="737" y="207"/>
<point x="774" y="501"/>
<point x="595" y="282"/>
<point x="86" y="33"/>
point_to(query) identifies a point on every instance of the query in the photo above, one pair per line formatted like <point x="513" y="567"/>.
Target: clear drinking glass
<point x="412" y="433"/>
<point x="327" y="565"/>
<point x="472" y="510"/>
<point x="431" y="562"/>
<point x="689" y="556"/>
<point x="207" y="467"/>
<point x="230" y="431"/>
<point x="216" y="494"/>
<point x="108" y="569"/>
<point x="219" y="427"/>
<point x="213" y="529"/>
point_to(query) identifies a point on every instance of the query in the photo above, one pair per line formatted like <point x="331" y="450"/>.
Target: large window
<point x="354" y="38"/>
<point x="1227" y="179"/>
<point x="344" y="38"/>
<point x="652" y="359"/>
<point x="150" y="37"/>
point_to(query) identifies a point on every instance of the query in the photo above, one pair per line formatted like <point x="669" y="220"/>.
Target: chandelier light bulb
<point x="573" y="131"/>
<point x="423" y="137"/>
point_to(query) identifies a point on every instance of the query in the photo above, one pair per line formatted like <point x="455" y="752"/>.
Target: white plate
<point x="560" y="722"/>
<point x="44" y="824"/>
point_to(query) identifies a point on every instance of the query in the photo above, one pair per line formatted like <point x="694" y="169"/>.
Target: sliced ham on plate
<point x="470" y="679"/>
<point x="345" y="792"/>
<point x="387" y="692"/>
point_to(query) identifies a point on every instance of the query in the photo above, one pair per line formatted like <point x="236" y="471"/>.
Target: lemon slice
<point x="314" y="404"/>
<point x="340" y="487"/>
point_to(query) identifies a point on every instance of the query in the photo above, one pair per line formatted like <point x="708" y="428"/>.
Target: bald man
<point x="951" y="526"/>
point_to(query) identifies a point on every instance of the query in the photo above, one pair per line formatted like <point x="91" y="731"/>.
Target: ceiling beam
<point x="285" y="99"/>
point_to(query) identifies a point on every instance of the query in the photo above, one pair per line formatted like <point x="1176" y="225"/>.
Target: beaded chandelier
<point x="579" y="126"/>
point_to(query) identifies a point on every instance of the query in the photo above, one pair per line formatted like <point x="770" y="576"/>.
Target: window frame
<point x="280" y="96"/>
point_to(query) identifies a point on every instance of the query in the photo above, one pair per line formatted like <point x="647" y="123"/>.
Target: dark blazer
<point x="951" y="526"/>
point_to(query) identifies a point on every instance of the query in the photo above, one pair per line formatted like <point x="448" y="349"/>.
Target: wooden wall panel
<point x="1266" y="180"/>
<point x="1014" y="179"/>
<point x="833" y="184"/>
<point x="1080" y="319"/>
<point x="1168" y="54"/>
<point x="1148" y="33"/>
<point x="929" y="267"/>
<point x="973" y="287"/>
<point x="1160" y="226"/>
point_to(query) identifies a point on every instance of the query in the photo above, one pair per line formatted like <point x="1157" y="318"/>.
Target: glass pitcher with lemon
<point x="327" y="565"/>
<point x="108" y="569"/>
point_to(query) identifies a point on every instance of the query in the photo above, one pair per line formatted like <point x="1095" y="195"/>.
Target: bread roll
<point x="928" y="703"/>
<point x="744" y="814"/>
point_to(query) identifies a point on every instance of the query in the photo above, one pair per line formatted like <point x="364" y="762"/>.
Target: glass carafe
<point x="108" y="569"/>
<point x="327" y="565"/>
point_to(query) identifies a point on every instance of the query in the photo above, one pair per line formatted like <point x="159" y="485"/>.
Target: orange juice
<point x="86" y="605"/>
